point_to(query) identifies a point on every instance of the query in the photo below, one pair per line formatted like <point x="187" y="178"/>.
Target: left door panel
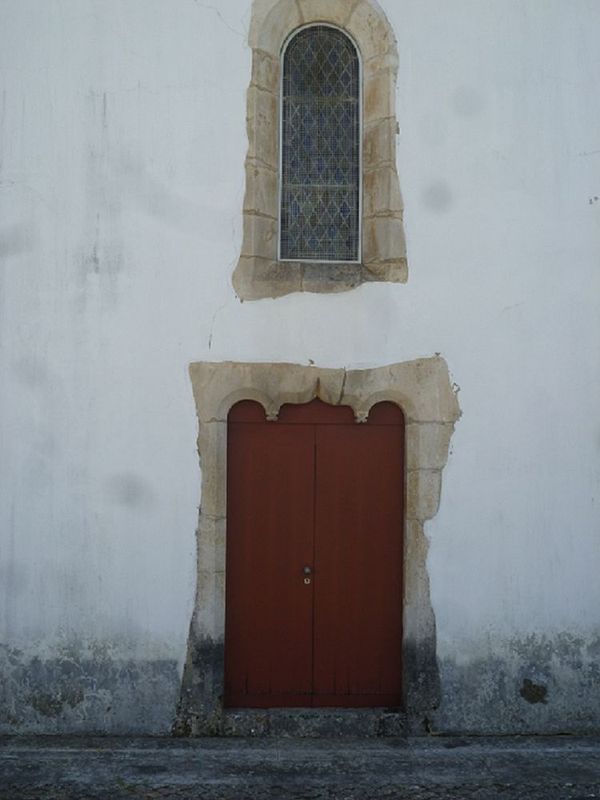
<point x="270" y="507"/>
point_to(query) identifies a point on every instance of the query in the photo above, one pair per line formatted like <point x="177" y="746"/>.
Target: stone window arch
<point x="261" y="272"/>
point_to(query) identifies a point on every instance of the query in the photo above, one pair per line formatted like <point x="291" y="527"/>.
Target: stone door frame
<point x="422" y="388"/>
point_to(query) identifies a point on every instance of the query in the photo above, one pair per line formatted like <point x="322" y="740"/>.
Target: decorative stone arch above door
<point x="259" y="272"/>
<point x="423" y="390"/>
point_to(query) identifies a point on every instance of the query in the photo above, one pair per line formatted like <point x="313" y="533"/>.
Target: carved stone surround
<point x="423" y="390"/>
<point x="259" y="274"/>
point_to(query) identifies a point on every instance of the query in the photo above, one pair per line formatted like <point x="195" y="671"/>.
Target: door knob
<point x="307" y="571"/>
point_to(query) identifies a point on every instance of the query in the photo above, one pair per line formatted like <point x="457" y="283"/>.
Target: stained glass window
<point x="320" y="181"/>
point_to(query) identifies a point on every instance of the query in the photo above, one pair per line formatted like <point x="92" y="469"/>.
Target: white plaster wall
<point x="122" y="141"/>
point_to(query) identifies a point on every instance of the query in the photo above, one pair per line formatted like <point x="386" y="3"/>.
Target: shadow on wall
<point x="130" y="490"/>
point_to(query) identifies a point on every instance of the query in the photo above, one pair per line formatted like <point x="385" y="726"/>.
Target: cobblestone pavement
<point x="95" y="768"/>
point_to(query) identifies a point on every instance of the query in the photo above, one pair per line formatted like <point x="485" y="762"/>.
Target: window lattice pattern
<point x="320" y="147"/>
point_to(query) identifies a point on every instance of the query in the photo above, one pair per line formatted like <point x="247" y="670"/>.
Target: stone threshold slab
<point x="317" y="722"/>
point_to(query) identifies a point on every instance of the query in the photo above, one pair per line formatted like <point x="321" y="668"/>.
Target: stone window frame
<point x="424" y="392"/>
<point x="259" y="274"/>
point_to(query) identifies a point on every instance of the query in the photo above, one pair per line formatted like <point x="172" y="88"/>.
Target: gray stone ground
<point x="103" y="768"/>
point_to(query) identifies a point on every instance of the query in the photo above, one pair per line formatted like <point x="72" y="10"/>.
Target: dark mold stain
<point x="69" y="693"/>
<point x="533" y="692"/>
<point x="51" y="705"/>
<point x="421" y="676"/>
<point x="530" y="684"/>
<point x="200" y="709"/>
<point x="47" y="704"/>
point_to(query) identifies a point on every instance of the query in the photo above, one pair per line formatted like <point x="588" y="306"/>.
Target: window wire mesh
<point x="320" y="147"/>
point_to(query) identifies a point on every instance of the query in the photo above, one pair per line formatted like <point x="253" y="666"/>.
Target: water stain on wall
<point x="533" y="692"/>
<point x="437" y="197"/>
<point x="70" y="693"/>
<point x="531" y="684"/>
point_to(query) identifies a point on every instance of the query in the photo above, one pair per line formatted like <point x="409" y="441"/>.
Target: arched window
<point x="320" y="147"/>
<point x="322" y="207"/>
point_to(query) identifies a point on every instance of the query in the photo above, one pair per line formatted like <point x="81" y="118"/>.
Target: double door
<point x="314" y="557"/>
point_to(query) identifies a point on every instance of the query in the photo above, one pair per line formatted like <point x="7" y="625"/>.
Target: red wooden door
<point x="314" y="491"/>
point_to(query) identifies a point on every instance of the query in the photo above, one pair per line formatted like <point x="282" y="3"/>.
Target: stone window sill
<point x="256" y="278"/>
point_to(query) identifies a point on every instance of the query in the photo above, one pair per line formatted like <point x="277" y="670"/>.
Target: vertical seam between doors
<point x="314" y="565"/>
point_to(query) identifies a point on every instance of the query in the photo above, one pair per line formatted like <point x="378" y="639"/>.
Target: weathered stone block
<point x="419" y="622"/>
<point x="335" y="12"/>
<point x="216" y="391"/>
<point x="331" y="277"/>
<point x="261" y="126"/>
<point x="379" y="96"/>
<point x="247" y="722"/>
<point x="265" y="71"/>
<point x="379" y="144"/>
<point x="262" y="186"/>
<point x="388" y="60"/>
<point x="260" y="237"/>
<point x="211" y="544"/>
<point x="421" y="388"/>
<point x="422" y="493"/>
<point x="320" y="723"/>
<point x="218" y="386"/>
<point x="369" y="25"/>
<point x="212" y="445"/>
<point x="381" y="192"/>
<point x="415" y="543"/>
<point x="389" y="271"/>
<point x="283" y="18"/>
<point x="260" y="11"/>
<point x="427" y="445"/>
<point x="209" y="620"/>
<point x="383" y="239"/>
<point x="256" y="278"/>
<point x="393" y="725"/>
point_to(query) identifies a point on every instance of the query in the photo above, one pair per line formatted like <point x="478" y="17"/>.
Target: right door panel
<point x="358" y="561"/>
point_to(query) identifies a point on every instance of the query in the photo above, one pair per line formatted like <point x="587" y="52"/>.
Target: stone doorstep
<point x="315" y="722"/>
